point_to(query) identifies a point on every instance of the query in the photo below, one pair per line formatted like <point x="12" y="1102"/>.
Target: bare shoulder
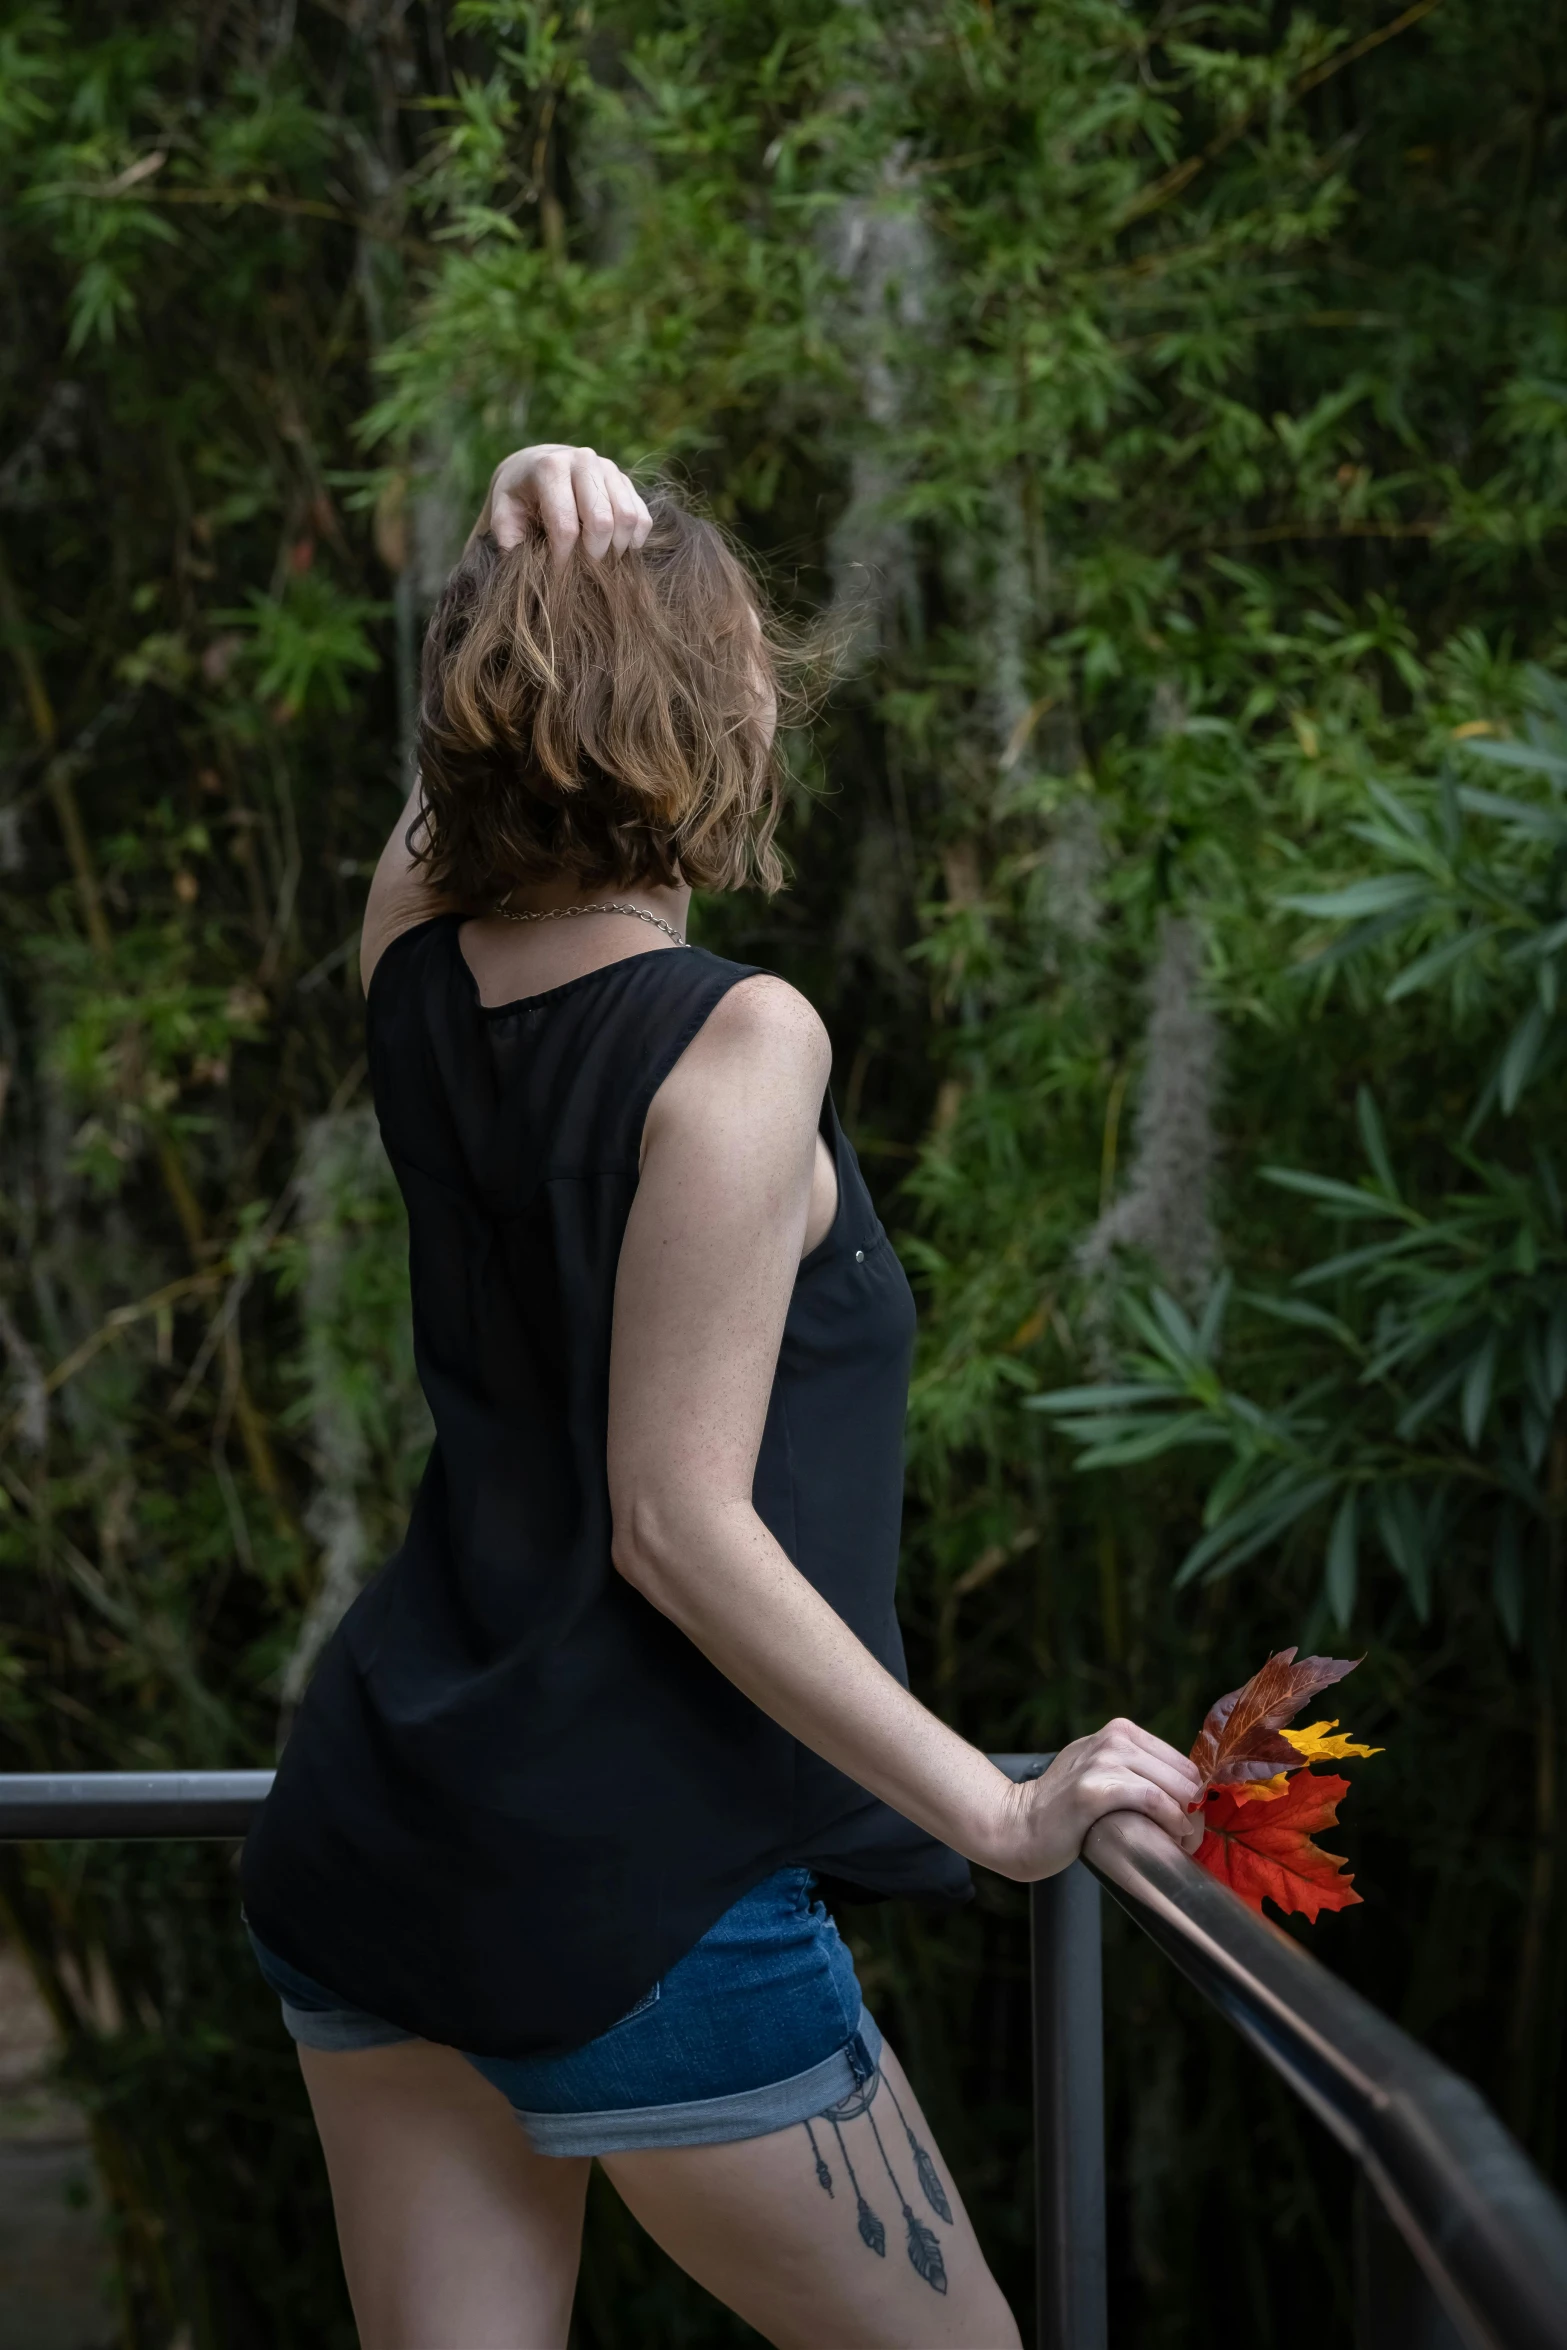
<point x="764" y="1014"/>
<point x="762" y="1052"/>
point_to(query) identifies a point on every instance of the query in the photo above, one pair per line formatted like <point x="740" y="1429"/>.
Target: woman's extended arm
<point x="710" y="1255"/>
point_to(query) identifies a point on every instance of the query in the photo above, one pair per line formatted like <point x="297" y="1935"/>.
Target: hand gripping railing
<point x="1487" y="2236"/>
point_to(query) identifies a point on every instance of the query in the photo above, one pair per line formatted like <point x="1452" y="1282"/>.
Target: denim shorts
<point x="759" y="2026"/>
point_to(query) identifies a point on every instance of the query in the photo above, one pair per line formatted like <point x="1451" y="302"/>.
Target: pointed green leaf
<point x="1523" y="1050"/>
<point x="1535" y="1366"/>
<point x="1345" y="1199"/>
<point x="1177" y="1327"/>
<point x="1507" y="1575"/>
<point x="1378" y="893"/>
<point x="1227" y="1547"/>
<point x="1305" y="1317"/>
<point x="1525" y="756"/>
<point x="1436" y="962"/>
<point x="1213" y="1313"/>
<point x="1556" y="1350"/>
<point x="1417" y="1413"/>
<point x="1550" y="942"/>
<point x="1343" y="1558"/>
<point x="1536" y="1433"/>
<point x="1100" y="1399"/>
<point x="1402" y="1537"/>
<point x="1475" y="1401"/>
<point x="1168" y="1436"/>
<point x="1372" y="1135"/>
<point x="1523" y="816"/>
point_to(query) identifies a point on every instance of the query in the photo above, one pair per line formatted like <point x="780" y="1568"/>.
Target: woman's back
<point x="505" y="1739"/>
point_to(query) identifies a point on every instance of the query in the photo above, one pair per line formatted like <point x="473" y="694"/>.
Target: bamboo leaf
<point x="1342" y="1563"/>
<point x="1168" y="1436"/>
<point x="1556" y="1351"/>
<point x="1518" y="1061"/>
<point x="1507" y="1574"/>
<point x="1229" y="1546"/>
<point x="1345" y="1199"/>
<point x="1213" y="1312"/>
<point x="1415" y="1416"/>
<point x="1378" y="893"/>
<point x="1375" y="1139"/>
<point x="1176" y="1326"/>
<point x="1102" y="1399"/>
<point x="1536" y="1367"/>
<point x="1536" y="1432"/>
<point x="1437" y="962"/>
<point x="1305" y="1317"/>
<point x="1475" y="1401"/>
<point x="1527" y="757"/>
<point x="1401" y="1534"/>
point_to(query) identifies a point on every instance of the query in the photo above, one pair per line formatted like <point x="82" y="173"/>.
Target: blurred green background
<point x="1167" y="404"/>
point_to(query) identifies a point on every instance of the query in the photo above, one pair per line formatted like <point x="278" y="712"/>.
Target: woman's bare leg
<point x="455" y="2235"/>
<point x="831" y="2237"/>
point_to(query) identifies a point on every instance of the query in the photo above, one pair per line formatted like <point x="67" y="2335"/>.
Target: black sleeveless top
<point x="515" y="1793"/>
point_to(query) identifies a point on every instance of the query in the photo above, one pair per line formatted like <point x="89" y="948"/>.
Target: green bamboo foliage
<point x="1167" y="410"/>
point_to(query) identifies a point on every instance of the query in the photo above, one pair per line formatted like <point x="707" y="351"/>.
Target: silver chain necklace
<point x="603" y="906"/>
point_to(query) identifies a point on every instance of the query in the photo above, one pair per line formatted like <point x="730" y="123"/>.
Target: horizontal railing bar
<point x="59" y="1806"/>
<point x="56" y="1806"/>
<point x="1487" y="2229"/>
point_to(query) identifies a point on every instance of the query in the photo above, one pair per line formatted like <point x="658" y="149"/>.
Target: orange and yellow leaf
<point x="1264" y="1851"/>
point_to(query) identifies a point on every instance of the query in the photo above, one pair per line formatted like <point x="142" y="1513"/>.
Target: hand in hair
<point x="574" y="496"/>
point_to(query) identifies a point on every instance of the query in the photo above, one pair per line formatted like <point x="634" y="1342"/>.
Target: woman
<point x="536" y="1882"/>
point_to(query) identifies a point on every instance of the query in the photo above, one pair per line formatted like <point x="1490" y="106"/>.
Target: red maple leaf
<point x="1260" y="1849"/>
<point x="1240" y="1739"/>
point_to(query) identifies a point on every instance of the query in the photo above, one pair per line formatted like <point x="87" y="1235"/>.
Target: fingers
<point x="553" y="487"/>
<point x="1125" y="1768"/>
<point x="577" y="497"/>
<point x="1130" y="1742"/>
<point x="1180" y="1785"/>
<point x="595" y="508"/>
<point x="1176" y="1821"/>
<point x="632" y="519"/>
<point x="1127" y="1791"/>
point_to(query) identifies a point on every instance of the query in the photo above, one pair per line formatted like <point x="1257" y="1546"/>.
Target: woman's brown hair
<point x="609" y="720"/>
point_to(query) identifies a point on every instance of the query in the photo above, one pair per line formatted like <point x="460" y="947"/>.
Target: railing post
<point x="1069" y="2112"/>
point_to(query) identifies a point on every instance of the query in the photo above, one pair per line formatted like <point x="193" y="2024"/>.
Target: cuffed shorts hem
<point x="336" y="2029"/>
<point x="713" y="2121"/>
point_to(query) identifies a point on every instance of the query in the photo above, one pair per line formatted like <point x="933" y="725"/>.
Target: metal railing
<point x="1460" y="2243"/>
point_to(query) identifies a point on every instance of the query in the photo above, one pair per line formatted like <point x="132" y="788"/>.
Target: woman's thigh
<point x="455" y="2235"/>
<point x="846" y="2233"/>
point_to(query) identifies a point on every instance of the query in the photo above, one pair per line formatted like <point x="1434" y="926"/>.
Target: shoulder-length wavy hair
<point x="613" y="720"/>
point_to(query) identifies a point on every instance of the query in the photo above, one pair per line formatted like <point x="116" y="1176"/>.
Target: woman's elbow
<point x="644" y="1547"/>
<point x="681" y="1546"/>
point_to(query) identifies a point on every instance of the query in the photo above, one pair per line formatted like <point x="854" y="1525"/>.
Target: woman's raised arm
<point x="581" y="500"/>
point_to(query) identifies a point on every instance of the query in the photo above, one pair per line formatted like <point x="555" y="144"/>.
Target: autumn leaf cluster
<point x="1263" y="1804"/>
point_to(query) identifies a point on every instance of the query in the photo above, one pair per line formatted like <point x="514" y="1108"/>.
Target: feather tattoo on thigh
<point x="923" y="2244"/>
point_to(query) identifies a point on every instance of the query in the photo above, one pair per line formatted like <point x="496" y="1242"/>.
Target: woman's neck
<point x="512" y="956"/>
